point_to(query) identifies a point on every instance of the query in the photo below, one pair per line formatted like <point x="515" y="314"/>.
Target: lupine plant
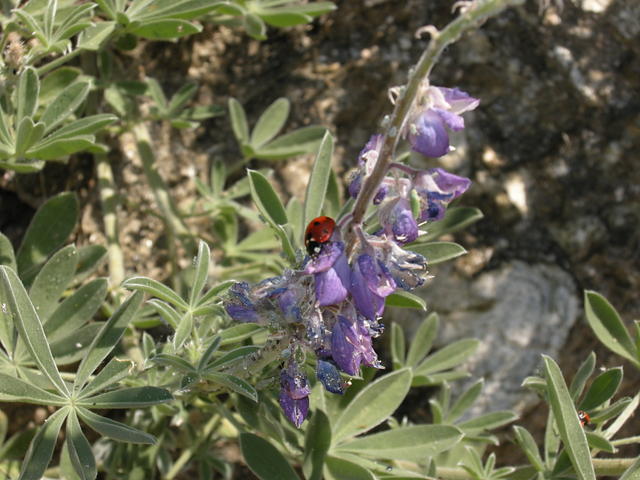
<point x="275" y="347"/>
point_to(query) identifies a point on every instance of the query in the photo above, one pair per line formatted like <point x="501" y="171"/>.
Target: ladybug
<point x="584" y="418"/>
<point x="318" y="233"/>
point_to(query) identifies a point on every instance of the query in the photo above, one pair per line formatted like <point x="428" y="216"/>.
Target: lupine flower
<point x="371" y="283"/>
<point x="294" y="394"/>
<point x="397" y="220"/>
<point x="351" y="345"/>
<point x="441" y="109"/>
<point x="437" y="188"/>
<point x="332" y="274"/>
<point x="330" y="377"/>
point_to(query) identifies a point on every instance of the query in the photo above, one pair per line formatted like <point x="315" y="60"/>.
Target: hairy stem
<point x="477" y="13"/>
<point x="109" y="201"/>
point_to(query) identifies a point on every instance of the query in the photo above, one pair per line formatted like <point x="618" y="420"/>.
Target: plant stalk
<point x="477" y="13"/>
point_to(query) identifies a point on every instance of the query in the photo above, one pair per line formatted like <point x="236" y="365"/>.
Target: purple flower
<point x="239" y="306"/>
<point x="351" y="345"/>
<point x="407" y="268"/>
<point x="437" y="188"/>
<point x="367" y="159"/>
<point x="294" y="394"/>
<point x="371" y="283"/>
<point x="328" y="374"/>
<point x="397" y="220"/>
<point x="332" y="274"/>
<point x="442" y="108"/>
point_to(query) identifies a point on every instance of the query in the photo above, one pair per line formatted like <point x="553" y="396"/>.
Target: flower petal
<point x="295" y="410"/>
<point x="328" y="374"/>
<point x="429" y="136"/>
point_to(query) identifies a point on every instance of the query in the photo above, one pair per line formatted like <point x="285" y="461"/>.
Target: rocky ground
<point x="552" y="151"/>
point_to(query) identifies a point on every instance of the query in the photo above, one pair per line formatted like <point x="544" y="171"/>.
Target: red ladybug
<point x="318" y="232"/>
<point x="584" y="418"/>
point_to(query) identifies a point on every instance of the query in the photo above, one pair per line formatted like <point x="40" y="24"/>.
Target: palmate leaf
<point x="107" y="339"/>
<point x="30" y="328"/>
<point x="202" y="262"/>
<point x="133" y="397"/>
<point x="337" y="468"/>
<point x="157" y="289"/>
<point x="316" y="445"/>
<point x="79" y="449"/>
<point x="41" y="448"/>
<point x="111" y="373"/>
<point x="13" y="389"/>
<point x="437" y="252"/>
<point x="423" y="340"/>
<point x="270" y="122"/>
<point x="27" y="94"/>
<point x="113" y="429"/>
<point x="602" y="389"/>
<point x="404" y="299"/>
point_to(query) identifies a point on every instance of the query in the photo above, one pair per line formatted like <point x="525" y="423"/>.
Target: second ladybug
<point x="318" y="232"/>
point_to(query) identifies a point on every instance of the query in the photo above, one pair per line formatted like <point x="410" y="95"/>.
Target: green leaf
<point x="56" y="81"/>
<point x="266" y="199"/>
<point x="633" y="472"/>
<point x="582" y="375"/>
<point x="77" y="309"/>
<point x="133" y="397"/>
<point x="115" y="430"/>
<point x="108" y="337"/>
<point x="166" y="312"/>
<point x="529" y="446"/>
<point x="185" y="10"/>
<point x="255" y="26"/>
<point x="404" y="299"/>
<point x="423" y="340"/>
<point x="448" y="357"/>
<point x="285" y="18"/>
<point x="73" y="346"/>
<point x="208" y="353"/>
<point x="608" y="327"/>
<point x="488" y="421"/>
<point x="235" y="384"/>
<point x="341" y="469"/>
<point x="301" y="141"/>
<point x="183" y="332"/>
<point x="94" y="37"/>
<point x="437" y="252"/>
<point x="41" y="448"/>
<point x="373" y="405"/>
<point x="27" y="134"/>
<point x="156" y="92"/>
<point x="232" y="356"/>
<point x="13" y="389"/>
<point x="7" y="256"/>
<point x="398" y="346"/>
<point x="464" y="402"/>
<point x="316" y="445"/>
<point x="201" y="274"/>
<point x="455" y="218"/>
<point x="238" y="121"/>
<point x="264" y="460"/>
<point x="27" y="94"/>
<point x="89" y="259"/>
<point x="157" y="289"/>
<point x="83" y="126"/>
<point x="64" y="105"/>
<point x="602" y="389"/>
<point x="166" y="29"/>
<point x="58" y="148"/>
<point x="52" y="280"/>
<point x="181" y="98"/>
<point x="598" y="441"/>
<point x="174" y="361"/>
<point x="258" y="241"/>
<point x="270" y="122"/>
<point x="28" y="324"/>
<point x="79" y="448"/>
<point x="571" y="432"/>
<point x="319" y="180"/>
<point x="50" y="227"/>
<point x="412" y="443"/>
<point x="112" y="373"/>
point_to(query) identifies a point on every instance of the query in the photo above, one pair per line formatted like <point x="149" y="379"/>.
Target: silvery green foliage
<point x="190" y="380"/>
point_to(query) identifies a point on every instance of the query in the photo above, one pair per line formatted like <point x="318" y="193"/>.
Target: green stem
<point x="477" y="13"/>
<point x="46" y="68"/>
<point x="626" y="441"/>
<point x="110" y="203"/>
<point x="187" y="453"/>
